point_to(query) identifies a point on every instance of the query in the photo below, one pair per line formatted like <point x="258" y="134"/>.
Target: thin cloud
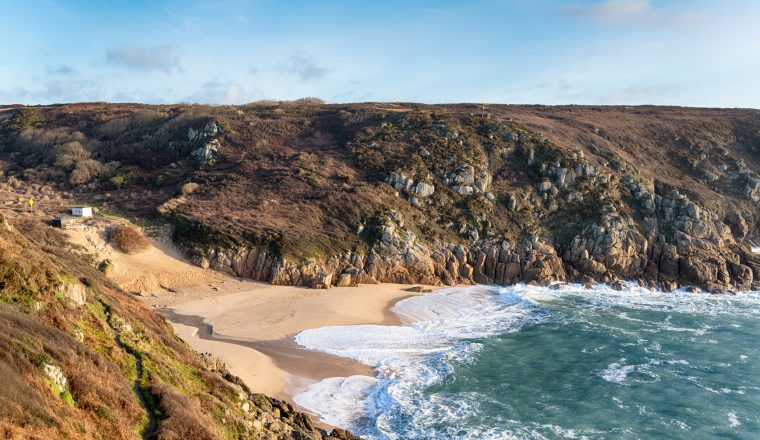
<point x="54" y="91"/>
<point x="144" y="58"/>
<point x="634" y="13"/>
<point x="60" y="70"/>
<point x="639" y="94"/>
<point x="304" y="67"/>
<point x="220" y="92"/>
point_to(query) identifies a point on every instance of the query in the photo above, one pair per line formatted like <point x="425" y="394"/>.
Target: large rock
<point x="74" y="292"/>
<point x="423" y="189"/>
<point x="55" y="375"/>
<point x="322" y="280"/>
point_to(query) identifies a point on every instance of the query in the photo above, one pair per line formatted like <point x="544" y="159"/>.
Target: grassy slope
<point x="97" y="346"/>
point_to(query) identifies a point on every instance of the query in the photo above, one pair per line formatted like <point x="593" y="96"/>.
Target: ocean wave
<point x="345" y="395"/>
<point x="445" y="328"/>
<point x="439" y="330"/>
<point x="616" y="372"/>
<point x="639" y="298"/>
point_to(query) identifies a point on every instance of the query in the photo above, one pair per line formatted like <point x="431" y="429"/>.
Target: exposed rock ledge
<point x="609" y="252"/>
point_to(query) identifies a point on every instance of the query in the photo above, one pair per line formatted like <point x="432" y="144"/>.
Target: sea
<point x="527" y="362"/>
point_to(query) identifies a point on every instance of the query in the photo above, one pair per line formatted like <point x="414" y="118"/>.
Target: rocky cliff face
<point x="578" y="221"/>
<point x="326" y="195"/>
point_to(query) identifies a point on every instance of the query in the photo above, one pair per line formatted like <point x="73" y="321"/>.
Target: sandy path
<point x="253" y="323"/>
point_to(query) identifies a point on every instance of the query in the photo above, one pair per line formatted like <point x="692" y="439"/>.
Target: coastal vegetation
<point x="286" y="191"/>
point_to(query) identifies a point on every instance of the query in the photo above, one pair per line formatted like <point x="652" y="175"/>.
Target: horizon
<point x="264" y="102"/>
<point x="511" y="52"/>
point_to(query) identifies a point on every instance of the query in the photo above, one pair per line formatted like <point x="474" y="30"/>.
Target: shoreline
<point x="254" y="323"/>
<point x="259" y="346"/>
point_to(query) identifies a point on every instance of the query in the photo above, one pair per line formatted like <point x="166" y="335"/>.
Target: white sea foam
<point x="441" y="329"/>
<point x="733" y="420"/>
<point x="642" y="298"/>
<point x="616" y="372"/>
<point x="345" y="396"/>
<point x="437" y="331"/>
<point x="756" y="249"/>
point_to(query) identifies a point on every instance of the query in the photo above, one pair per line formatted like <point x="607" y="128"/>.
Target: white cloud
<point x="219" y="92"/>
<point x="304" y="66"/>
<point x="144" y="58"/>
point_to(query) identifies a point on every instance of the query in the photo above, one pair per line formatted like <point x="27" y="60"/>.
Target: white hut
<point x="81" y="211"/>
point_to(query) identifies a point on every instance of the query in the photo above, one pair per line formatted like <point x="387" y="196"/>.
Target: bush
<point x="67" y="155"/>
<point x="59" y="146"/>
<point x="130" y="240"/>
<point x="85" y="171"/>
<point x="26" y="118"/>
<point x="112" y="129"/>
<point x="309" y="100"/>
<point x="116" y="181"/>
<point x="141" y="120"/>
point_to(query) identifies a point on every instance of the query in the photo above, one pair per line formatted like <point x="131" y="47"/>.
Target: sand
<point x="246" y="324"/>
<point x="257" y="370"/>
<point x="275" y="312"/>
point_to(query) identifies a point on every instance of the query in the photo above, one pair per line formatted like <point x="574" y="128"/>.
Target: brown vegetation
<point x="129" y="239"/>
<point x="122" y="362"/>
<point x="299" y="179"/>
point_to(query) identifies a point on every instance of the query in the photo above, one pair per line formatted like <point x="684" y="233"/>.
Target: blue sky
<point x="674" y="52"/>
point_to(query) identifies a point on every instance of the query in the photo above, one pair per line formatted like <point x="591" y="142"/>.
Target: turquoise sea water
<point x="526" y="362"/>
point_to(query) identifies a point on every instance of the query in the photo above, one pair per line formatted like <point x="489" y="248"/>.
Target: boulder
<point x="344" y="280"/>
<point x="74" y="292"/>
<point x="322" y="280"/>
<point x="55" y="374"/>
<point x="423" y="189"/>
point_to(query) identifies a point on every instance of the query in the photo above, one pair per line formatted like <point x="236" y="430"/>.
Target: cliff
<point x="81" y="359"/>
<point x="313" y="194"/>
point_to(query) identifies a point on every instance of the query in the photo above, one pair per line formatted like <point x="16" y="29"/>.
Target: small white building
<point x="81" y="211"/>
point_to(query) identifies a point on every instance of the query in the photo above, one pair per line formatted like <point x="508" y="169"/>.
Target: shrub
<point x="68" y="154"/>
<point x="112" y="129"/>
<point x="59" y="146"/>
<point x="141" y="120"/>
<point x="116" y="182"/>
<point x="129" y="239"/>
<point x="85" y="171"/>
<point x="309" y="100"/>
<point x="26" y="118"/>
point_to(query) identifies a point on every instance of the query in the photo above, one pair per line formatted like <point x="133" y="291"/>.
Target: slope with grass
<point x="81" y="359"/>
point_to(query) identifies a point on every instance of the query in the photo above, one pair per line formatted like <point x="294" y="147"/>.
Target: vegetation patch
<point x="130" y="240"/>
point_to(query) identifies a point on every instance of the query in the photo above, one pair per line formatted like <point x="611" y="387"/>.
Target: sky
<point x="668" y="52"/>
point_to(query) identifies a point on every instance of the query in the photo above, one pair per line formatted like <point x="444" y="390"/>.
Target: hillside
<point x="312" y="194"/>
<point x="81" y="359"/>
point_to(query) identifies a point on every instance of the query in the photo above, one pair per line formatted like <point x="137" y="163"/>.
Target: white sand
<point x="276" y="312"/>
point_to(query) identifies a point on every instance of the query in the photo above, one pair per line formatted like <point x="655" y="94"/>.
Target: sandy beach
<point x="248" y="325"/>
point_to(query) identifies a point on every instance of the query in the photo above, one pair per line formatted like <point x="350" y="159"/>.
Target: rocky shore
<point x="584" y="222"/>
